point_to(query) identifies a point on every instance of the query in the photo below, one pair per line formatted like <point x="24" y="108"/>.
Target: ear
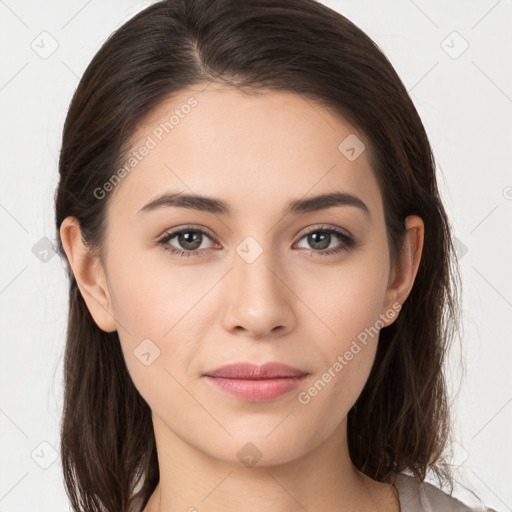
<point x="89" y="274"/>
<point x="402" y="278"/>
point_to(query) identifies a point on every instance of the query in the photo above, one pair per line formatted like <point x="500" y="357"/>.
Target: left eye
<point x="323" y="237"/>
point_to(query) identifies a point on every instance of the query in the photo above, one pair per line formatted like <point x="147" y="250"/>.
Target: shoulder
<point x="416" y="496"/>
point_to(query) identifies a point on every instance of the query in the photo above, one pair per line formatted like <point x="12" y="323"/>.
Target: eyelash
<point x="347" y="242"/>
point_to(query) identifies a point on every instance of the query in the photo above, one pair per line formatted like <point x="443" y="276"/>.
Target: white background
<point x="465" y="101"/>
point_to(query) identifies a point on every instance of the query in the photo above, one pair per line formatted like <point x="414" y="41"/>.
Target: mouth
<point x="254" y="383"/>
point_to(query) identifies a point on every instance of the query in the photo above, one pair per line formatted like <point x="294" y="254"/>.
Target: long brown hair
<point x="400" y="421"/>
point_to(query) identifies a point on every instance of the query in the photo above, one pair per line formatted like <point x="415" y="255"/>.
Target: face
<point x="194" y="289"/>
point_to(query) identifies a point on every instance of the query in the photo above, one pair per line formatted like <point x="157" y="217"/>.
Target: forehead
<point x="253" y="150"/>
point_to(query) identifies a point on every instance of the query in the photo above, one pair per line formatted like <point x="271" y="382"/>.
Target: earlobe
<point x="402" y="279"/>
<point x="89" y="274"/>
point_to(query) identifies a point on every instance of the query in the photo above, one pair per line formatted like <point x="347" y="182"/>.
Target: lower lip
<point x="261" y="390"/>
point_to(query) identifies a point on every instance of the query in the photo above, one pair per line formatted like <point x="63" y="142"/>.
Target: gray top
<point x="416" y="496"/>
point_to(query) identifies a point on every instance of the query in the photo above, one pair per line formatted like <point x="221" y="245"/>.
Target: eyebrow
<point x="220" y="207"/>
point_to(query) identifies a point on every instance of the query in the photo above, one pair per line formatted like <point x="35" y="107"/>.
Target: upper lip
<point x="255" y="372"/>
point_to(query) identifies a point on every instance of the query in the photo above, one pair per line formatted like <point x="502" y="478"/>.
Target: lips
<point x="253" y="383"/>
<point x="254" y="372"/>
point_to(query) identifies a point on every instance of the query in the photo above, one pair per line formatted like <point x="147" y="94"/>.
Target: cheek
<point x="348" y="305"/>
<point x="153" y="342"/>
<point x="346" y="298"/>
<point x="157" y="309"/>
<point x="346" y="355"/>
<point x="150" y="296"/>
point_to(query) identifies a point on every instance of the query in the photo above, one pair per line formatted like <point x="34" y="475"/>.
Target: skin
<point x="257" y="153"/>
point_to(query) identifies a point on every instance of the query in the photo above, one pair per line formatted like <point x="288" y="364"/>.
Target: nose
<point x="259" y="300"/>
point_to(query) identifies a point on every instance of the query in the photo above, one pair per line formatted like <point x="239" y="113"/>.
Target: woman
<point x="262" y="281"/>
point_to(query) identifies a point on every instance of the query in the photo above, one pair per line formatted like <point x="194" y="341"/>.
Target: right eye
<point x="190" y="239"/>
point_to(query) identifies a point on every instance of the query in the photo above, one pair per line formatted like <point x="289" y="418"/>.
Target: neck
<point x="322" y="479"/>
